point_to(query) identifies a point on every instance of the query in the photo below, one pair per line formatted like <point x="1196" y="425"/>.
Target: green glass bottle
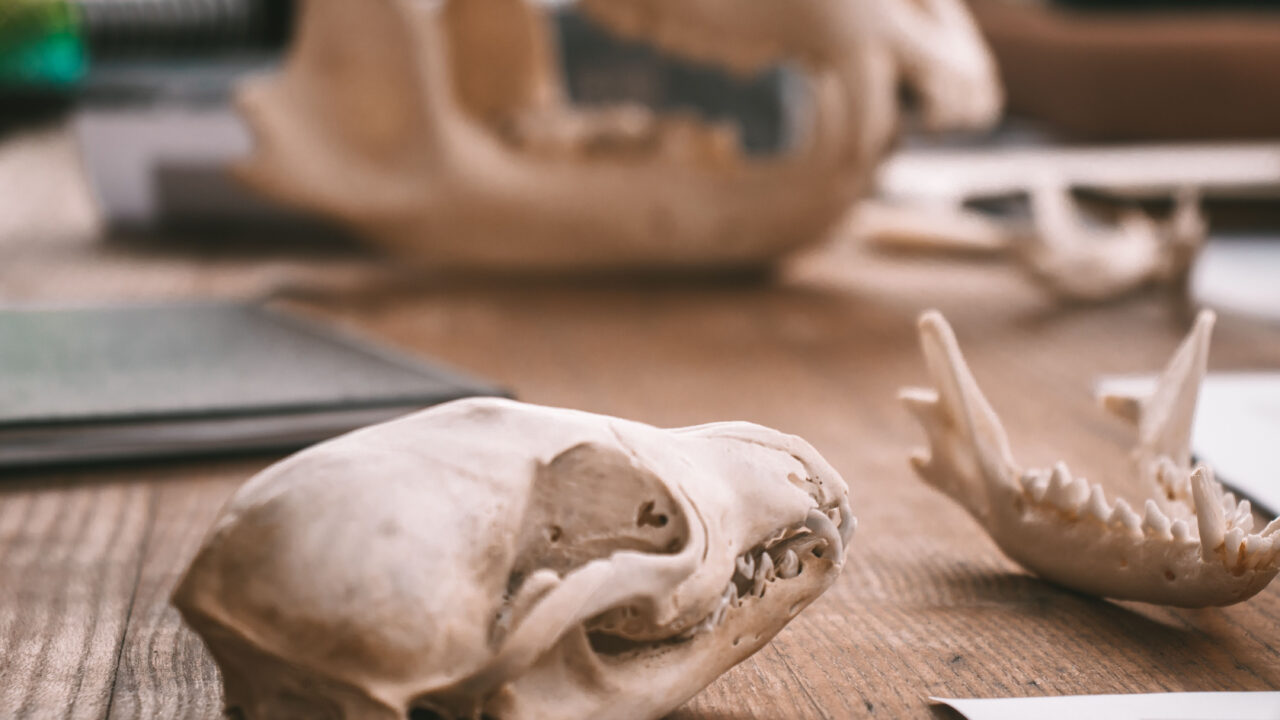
<point x="41" y="44"/>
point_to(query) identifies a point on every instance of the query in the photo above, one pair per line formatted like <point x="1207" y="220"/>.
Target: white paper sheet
<point x="1238" y="275"/>
<point x="1161" y="706"/>
<point x="1236" y="430"/>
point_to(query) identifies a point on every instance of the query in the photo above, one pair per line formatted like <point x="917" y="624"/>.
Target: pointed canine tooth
<point x="1124" y="515"/>
<point x="1155" y="520"/>
<point x="1212" y="525"/>
<point x="746" y="565"/>
<point x="1180" y="531"/>
<point x="789" y="565"/>
<point x="763" y="573"/>
<point x="821" y="526"/>
<point x="1097" y="504"/>
<point x="1233" y="540"/>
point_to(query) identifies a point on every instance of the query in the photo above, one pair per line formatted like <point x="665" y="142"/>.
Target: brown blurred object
<point x="1138" y="75"/>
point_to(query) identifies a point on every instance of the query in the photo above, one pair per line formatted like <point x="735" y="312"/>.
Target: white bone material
<point x="441" y="128"/>
<point x="1076" y="259"/>
<point x="1190" y="545"/>
<point x="492" y="559"/>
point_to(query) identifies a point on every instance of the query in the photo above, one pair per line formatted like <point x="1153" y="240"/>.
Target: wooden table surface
<point x="926" y="605"/>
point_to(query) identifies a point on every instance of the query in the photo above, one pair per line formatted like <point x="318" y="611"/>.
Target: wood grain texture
<point x="926" y="606"/>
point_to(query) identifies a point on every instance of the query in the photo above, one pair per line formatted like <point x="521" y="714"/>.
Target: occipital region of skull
<point x="493" y="559"/>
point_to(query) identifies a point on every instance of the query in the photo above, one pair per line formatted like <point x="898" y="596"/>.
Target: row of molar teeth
<point x="1076" y="496"/>
<point x="753" y="570"/>
<point x="1221" y="520"/>
<point x="1059" y="489"/>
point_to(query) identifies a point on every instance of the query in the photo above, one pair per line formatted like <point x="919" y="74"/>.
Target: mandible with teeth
<point x="1191" y="545"/>
<point x="493" y="559"/>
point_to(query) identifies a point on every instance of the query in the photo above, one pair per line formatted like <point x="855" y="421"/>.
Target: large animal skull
<point x="491" y="559"/>
<point x="442" y="129"/>
<point x="1192" y="545"/>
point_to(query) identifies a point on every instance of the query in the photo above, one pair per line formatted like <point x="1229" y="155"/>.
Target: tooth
<point x="848" y="524"/>
<point x="1209" y="518"/>
<point x="1039" y="487"/>
<point x="1097" y="504"/>
<point x="1244" y="516"/>
<point x="833" y="514"/>
<point x="1171" y="477"/>
<point x="746" y="565"/>
<point x="1156" y="520"/>
<point x="789" y="565"/>
<point x="1064" y="492"/>
<point x="717" y="617"/>
<point x="822" y="527"/>
<point x="1233" y="540"/>
<point x="1256" y="549"/>
<point x="1079" y="493"/>
<point x="1228" y="503"/>
<point x="1271" y="528"/>
<point x="1124" y="515"/>
<point x="763" y="573"/>
<point x="1180" y="531"/>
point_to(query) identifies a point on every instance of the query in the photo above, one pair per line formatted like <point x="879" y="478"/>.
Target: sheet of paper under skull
<point x="492" y="559"/>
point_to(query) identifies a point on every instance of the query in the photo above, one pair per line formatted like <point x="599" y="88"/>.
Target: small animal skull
<point x="442" y="130"/>
<point x="1192" y="545"/>
<point x="492" y="559"/>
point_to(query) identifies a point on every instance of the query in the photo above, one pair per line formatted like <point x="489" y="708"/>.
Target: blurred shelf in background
<point x="1180" y="71"/>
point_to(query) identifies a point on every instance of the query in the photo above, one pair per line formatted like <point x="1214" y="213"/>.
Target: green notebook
<point x="81" y="385"/>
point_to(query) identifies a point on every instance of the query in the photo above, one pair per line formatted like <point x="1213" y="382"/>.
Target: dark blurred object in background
<point x="54" y="51"/>
<point x="601" y="68"/>
<point x="184" y="28"/>
<point x="53" y="44"/>
<point x="1162" y="71"/>
<point x="1167" y="4"/>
